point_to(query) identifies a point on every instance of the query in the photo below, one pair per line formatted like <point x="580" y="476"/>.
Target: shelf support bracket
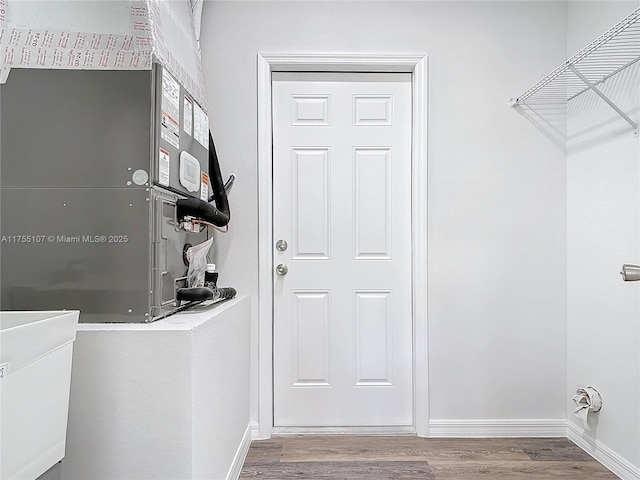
<point x="606" y="99"/>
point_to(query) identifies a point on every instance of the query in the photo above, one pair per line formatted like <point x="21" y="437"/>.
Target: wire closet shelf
<point x="615" y="50"/>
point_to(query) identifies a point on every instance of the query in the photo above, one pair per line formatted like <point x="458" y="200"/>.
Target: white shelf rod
<point x="606" y="99"/>
<point x="605" y="78"/>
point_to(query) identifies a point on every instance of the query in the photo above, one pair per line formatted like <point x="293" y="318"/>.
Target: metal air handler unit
<point x="92" y="164"/>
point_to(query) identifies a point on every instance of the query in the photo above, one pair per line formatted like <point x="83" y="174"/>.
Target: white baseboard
<point x="241" y="454"/>
<point x="603" y="454"/>
<point x="498" y="428"/>
<point x="255" y="431"/>
<point x="344" y="430"/>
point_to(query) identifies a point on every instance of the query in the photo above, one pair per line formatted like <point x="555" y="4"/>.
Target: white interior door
<point x="342" y="291"/>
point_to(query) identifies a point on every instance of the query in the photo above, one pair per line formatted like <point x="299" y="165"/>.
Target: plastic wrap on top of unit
<point x="102" y="35"/>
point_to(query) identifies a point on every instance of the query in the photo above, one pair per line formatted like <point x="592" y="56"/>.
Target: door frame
<point x="417" y="66"/>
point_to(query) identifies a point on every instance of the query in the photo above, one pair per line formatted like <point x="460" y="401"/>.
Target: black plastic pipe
<point x="194" y="294"/>
<point x="200" y="294"/>
<point x="218" y="214"/>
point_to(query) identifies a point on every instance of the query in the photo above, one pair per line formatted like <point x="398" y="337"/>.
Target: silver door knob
<point x="281" y="245"/>
<point x="630" y="273"/>
<point x="282" y="270"/>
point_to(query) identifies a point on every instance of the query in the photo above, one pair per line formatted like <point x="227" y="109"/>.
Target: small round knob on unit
<point x="281" y="245"/>
<point x="282" y="270"/>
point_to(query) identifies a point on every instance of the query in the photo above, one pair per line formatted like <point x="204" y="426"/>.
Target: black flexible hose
<point x="200" y="294"/>
<point x="218" y="214"/>
<point x="217" y="184"/>
<point x="224" y="293"/>
<point x="202" y="210"/>
<point x="194" y="294"/>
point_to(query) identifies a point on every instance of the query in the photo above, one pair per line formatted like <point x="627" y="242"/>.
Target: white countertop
<point x="186" y="320"/>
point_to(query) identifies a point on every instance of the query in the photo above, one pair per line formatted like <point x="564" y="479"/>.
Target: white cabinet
<point x="164" y="400"/>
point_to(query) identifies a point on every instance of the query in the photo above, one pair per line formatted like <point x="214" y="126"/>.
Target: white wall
<point x="603" y="232"/>
<point x="496" y="242"/>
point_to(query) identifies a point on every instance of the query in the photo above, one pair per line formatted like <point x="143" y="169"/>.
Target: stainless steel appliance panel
<point x="75" y="128"/>
<point x="176" y="121"/>
<point x="82" y="226"/>
<point x="80" y="248"/>
<point x="169" y="270"/>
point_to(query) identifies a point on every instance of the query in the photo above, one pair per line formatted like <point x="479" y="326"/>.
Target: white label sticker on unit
<point x="164" y="164"/>
<point x="170" y="89"/>
<point x="204" y="186"/>
<point x="201" y="126"/>
<point x="188" y="116"/>
<point x="170" y="125"/>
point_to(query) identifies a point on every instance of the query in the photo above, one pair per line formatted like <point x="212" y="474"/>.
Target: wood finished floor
<point x="346" y="457"/>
